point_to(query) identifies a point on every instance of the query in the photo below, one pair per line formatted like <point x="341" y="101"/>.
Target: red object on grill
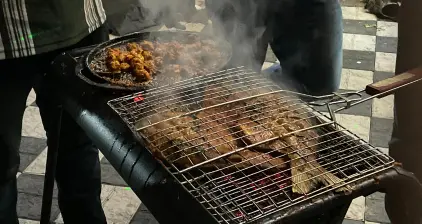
<point x="138" y="98"/>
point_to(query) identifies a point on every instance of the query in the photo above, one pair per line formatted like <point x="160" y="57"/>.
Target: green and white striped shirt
<point x="29" y="27"/>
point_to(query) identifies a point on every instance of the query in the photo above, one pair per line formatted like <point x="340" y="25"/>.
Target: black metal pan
<point x="98" y="52"/>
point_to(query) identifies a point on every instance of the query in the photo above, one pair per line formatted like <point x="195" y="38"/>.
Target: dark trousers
<point x="305" y="35"/>
<point x="78" y="172"/>
<point x="405" y="145"/>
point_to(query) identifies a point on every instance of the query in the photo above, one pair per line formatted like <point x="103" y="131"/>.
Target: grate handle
<point x="388" y="86"/>
<point x="380" y="89"/>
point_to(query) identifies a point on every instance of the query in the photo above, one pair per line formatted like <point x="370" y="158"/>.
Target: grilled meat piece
<point x="173" y="139"/>
<point x="183" y="141"/>
<point x="220" y="137"/>
<point x="262" y="118"/>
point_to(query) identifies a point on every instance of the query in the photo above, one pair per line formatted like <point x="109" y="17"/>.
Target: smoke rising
<point x="240" y="22"/>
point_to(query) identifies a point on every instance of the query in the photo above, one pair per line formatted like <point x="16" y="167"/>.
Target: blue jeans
<point x="305" y="35"/>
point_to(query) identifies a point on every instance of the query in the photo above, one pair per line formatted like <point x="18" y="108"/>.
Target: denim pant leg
<point x="307" y="39"/>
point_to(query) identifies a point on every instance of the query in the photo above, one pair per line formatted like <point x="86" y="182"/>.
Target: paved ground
<point x="369" y="55"/>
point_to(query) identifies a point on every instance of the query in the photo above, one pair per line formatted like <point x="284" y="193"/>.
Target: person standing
<point x="405" y="145"/>
<point x="32" y="34"/>
<point x="305" y="35"/>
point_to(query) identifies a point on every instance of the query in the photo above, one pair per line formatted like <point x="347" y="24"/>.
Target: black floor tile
<point x="386" y="44"/>
<point x="32" y="184"/>
<point x="110" y="176"/>
<point x="375" y="211"/>
<point x="142" y="216"/>
<point x="380" y="132"/>
<point x="32" y="145"/>
<point x="378" y="76"/>
<point x="360" y="27"/>
<point x="349" y="221"/>
<point x="26" y="160"/>
<point x="29" y="207"/>
<point x="361" y="60"/>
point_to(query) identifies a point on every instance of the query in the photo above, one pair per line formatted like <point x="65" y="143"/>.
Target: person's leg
<point x="15" y="86"/>
<point x="307" y="39"/>
<point x="405" y="145"/>
<point x="78" y="173"/>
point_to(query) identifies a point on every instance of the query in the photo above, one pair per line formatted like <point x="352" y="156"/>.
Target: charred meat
<point x="187" y="141"/>
<point x="272" y="125"/>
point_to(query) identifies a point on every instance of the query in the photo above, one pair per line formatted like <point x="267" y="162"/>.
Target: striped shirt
<point x="30" y="27"/>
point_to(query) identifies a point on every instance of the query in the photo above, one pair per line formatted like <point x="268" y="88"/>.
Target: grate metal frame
<point x="243" y="191"/>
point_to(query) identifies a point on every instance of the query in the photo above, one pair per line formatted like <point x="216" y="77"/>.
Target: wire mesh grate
<point x="243" y="147"/>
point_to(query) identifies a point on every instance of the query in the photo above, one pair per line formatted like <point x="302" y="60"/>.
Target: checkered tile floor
<point x="369" y="55"/>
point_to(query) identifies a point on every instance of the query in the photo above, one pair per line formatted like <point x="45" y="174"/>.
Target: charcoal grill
<point x="231" y="194"/>
<point x="165" y="190"/>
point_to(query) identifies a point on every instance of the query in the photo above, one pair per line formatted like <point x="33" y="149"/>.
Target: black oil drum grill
<point x="243" y="188"/>
<point x="206" y="165"/>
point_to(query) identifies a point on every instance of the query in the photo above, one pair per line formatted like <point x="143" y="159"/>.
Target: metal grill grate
<point x="243" y="147"/>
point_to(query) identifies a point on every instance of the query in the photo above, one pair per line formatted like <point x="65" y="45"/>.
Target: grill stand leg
<point x="50" y="170"/>
<point x="332" y="216"/>
<point x="338" y="214"/>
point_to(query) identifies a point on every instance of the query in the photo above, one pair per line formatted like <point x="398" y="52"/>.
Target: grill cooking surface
<point x="243" y="147"/>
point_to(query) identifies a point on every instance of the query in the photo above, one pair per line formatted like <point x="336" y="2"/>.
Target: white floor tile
<point x="32" y="125"/>
<point x="359" y="42"/>
<point x="355" y="79"/>
<point x="357" y="13"/>
<point x="367" y="222"/>
<point x="384" y="150"/>
<point x="59" y="219"/>
<point x="107" y="192"/>
<point x="194" y="27"/>
<point x="387" y="29"/>
<point x="357" y="209"/>
<point x="384" y="107"/>
<point x="27" y="221"/>
<point x="385" y="62"/>
<point x="121" y="206"/>
<point x="38" y="165"/>
<point x="100" y="155"/>
<point x="266" y="65"/>
<point x="31" y="97"/>
<point x="359" y="125"/>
